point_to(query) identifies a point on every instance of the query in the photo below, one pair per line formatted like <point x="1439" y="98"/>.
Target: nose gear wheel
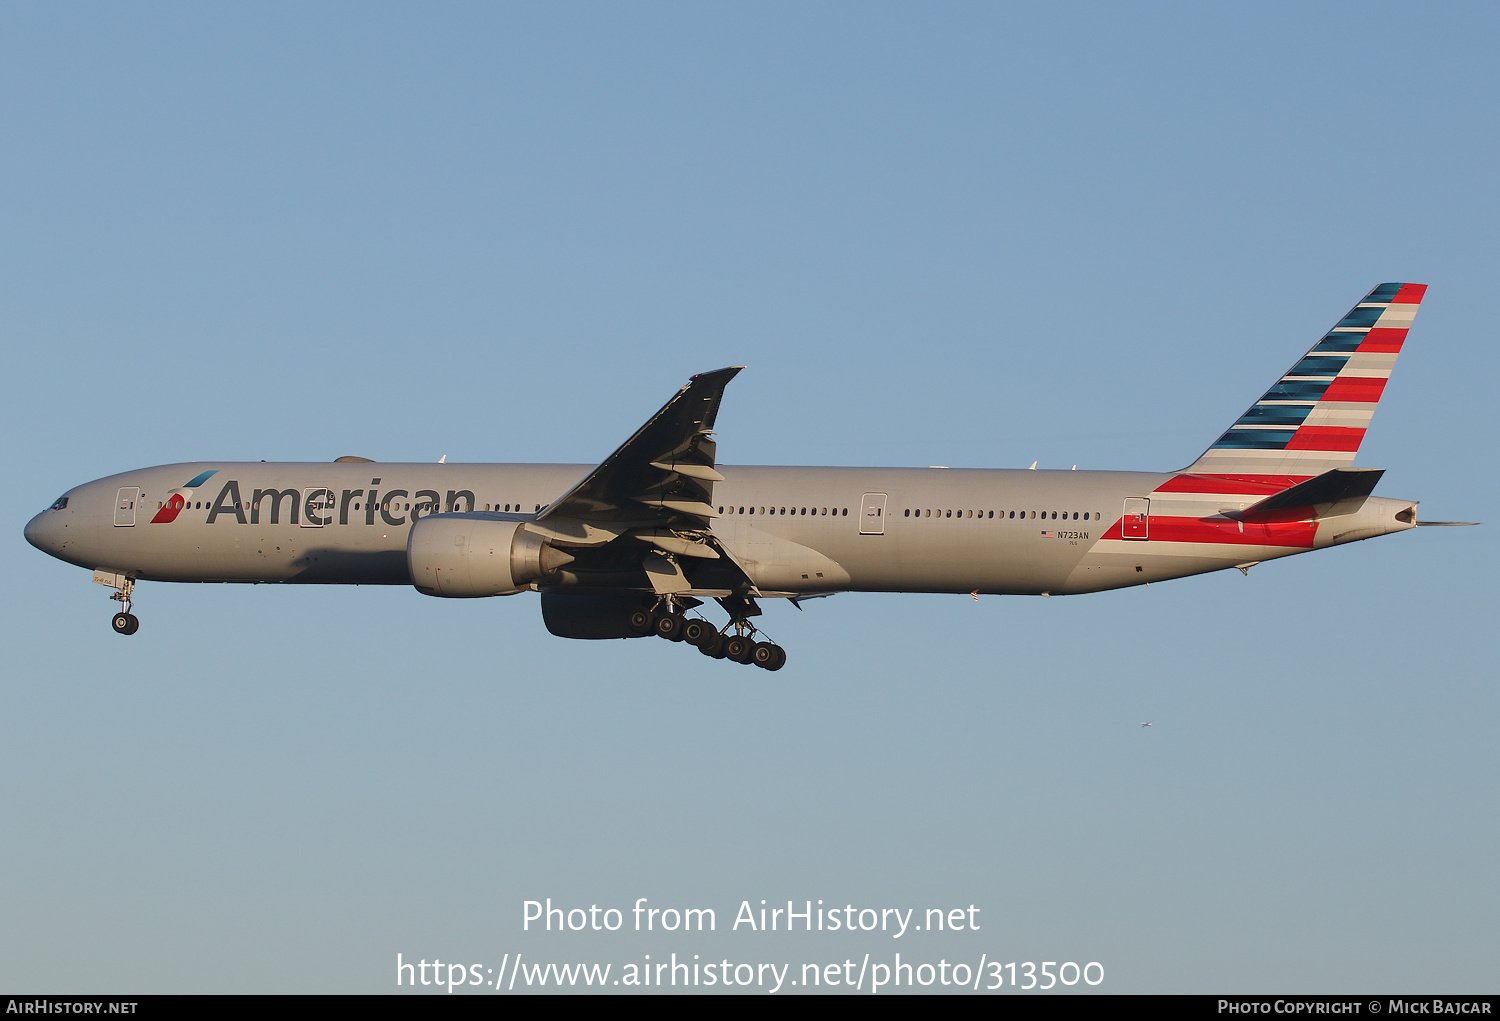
<point x="125" y="622"/>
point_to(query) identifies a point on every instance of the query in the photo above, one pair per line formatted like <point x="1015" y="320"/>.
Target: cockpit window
<point x="62" y="501"/>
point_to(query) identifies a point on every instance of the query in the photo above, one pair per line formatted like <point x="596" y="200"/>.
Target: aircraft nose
<point x="41" y="532"/>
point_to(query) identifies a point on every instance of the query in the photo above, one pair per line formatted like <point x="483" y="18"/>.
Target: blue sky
<point x="975" y="235"/>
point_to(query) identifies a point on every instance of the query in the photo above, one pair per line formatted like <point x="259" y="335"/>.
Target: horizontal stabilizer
<point x="1445" y="524"/>
<point x="1332" y="486"/>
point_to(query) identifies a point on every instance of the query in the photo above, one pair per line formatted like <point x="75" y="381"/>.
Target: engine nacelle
<point x="469" y="555"/>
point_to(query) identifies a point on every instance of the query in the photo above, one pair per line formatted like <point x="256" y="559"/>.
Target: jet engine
<point x="467" y="555"/>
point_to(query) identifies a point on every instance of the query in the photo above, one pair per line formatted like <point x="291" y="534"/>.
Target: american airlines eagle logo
<point x="178" y="498"/>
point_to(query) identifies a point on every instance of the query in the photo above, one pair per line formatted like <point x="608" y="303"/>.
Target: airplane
<point x="634" y="545"/>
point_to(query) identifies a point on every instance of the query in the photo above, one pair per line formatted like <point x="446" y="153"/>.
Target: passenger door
<point x="125" y="506"/>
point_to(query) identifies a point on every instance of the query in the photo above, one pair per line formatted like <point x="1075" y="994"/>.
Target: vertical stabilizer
<point x="1313" y="418"/>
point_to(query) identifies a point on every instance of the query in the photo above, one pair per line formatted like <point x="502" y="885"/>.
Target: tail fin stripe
<point x="1355" y="388"/>
<point x="1371" y="364"/>
<point x="1297" y="390"/>
<point x="1276" y="414"/>
<point x="1313" y="437"/>
<point x="1255" y="439"/>
<point x="1384" y="339"/>
<point x="1361" y="317"/>
<point x="1321" y="365"/>
<point x="1336" y="342"/>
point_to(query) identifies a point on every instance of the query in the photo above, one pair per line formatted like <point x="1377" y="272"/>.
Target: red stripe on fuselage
<point x="1232" y="485"/>
<point x="1225" y="531"/>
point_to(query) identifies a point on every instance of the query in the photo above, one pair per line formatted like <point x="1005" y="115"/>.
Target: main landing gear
<point x="125" y="622"/>
<point x="669" y="622"/>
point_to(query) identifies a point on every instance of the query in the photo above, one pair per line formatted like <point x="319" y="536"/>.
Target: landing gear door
<point x="1136" y="524"/>
<point x="872" y="514"/>
<point x="125" y="502"/>
<point x="317" y="508"/>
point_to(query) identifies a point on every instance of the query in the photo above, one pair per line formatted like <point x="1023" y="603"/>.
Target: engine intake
<point x="470" y="555"/>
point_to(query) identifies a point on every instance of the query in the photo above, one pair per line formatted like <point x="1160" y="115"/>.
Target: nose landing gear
<point x="125" y="622"/>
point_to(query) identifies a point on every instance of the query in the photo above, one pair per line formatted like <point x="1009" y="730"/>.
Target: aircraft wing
<point x="658" y="488"/>
<point x="662" y="475"/>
